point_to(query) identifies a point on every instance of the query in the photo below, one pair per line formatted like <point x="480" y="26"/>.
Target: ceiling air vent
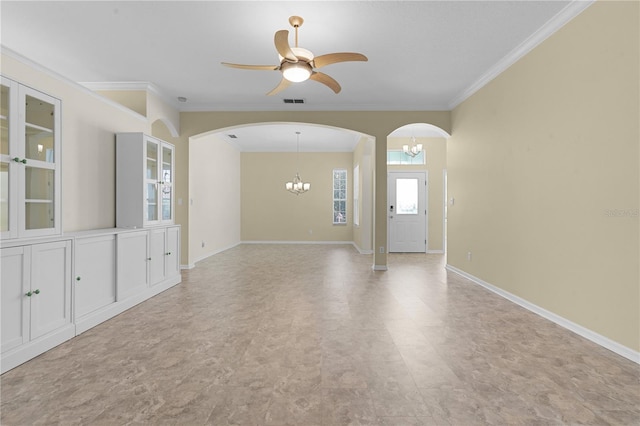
<point x="232" y="136"/>
<point x="293" y="101"/>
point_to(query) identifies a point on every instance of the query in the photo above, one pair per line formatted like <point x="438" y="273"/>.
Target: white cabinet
<point x="36" y="300"/>
<point x="133" y="263"/>
<point x="94" y="274"/>
<point x="144" y="181"/>
<point x="57" y="287"/>
<point x="164" y="253"/>
<point x="29" y="162"/>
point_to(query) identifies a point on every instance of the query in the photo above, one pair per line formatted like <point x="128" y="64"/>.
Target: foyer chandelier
<point x="297" y="186"/>
<point x="414" y="150"/>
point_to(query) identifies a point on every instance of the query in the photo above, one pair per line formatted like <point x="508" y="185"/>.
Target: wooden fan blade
<point x="281" y="40"/>
<point x="332" y="58"/>
<point x="326" y="80"/>
<point x="252" y="67"/>
<point x="284" y="83"/>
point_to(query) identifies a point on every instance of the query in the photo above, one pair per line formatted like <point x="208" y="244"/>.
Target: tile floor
<point x="310" y="335"/>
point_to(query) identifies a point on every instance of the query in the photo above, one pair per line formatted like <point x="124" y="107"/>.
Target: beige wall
<point x="538" y="161"/>
<point x="135" y="100"/>
<point x="436" y="153"/>
<point x="89" y="124"/>
<point x="270" y="213"/>
<point x="364" y="158"/>
<point x="214" y="191"/>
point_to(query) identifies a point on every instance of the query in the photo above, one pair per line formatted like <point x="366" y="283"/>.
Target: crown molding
<point x="117" y="85"/>
<point x="49" y="72"/>
<point x="569" y="12"/>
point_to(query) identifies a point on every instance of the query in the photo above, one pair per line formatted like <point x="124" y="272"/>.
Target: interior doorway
<point x="407" y="212"/>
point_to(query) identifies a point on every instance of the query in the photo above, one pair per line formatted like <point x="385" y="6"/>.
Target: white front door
<point x="407" y="212"/>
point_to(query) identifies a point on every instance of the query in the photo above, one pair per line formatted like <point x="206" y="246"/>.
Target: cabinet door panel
<point x="8" y="151"/>
<point x="157" y="245"/>
<point x="95" y="274"/>
<point x="15" y="304"/>
<point x="172" y="258"/>
<point x="133" y="264"/>
<point x="50" y="287"/>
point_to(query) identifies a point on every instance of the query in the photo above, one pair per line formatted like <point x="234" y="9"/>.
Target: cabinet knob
<point x="77" y="278"/>
<point x="148" y="258"/>
<point x="17" y="160"/>
<point x="24" y="161"/>
<point x="37" y="291"/>
<point x="28" y="294"/>
<point x="168" y="254"/>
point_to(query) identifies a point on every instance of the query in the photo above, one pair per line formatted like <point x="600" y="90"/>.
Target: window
<point x="339" y="196"/>
<point x="356" y="195"/>
<point x="396" y="157"/>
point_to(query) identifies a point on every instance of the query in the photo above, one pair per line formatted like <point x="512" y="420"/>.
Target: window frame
<point x="408" y="160"/>
<point x="356" y="195"/>
<point x="333" y="195"/>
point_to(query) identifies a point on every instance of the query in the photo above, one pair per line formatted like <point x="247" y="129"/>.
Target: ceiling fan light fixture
<point x="297" y="72"/>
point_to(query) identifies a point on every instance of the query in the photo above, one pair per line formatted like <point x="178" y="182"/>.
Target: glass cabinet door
<point x="30" y="163"/>
<point x="167" y="183"/>
<point x="39" y="159"/>
<point x="151" y="180"/>
<point x="7" y="147"/>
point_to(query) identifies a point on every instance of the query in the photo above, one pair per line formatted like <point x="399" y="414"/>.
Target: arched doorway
<point x="237" y="181"/>
<point x="416" y="168"/>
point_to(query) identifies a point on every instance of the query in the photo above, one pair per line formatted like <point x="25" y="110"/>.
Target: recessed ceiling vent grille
<point x="293" y="101"/>
<point x="232" y="136"/>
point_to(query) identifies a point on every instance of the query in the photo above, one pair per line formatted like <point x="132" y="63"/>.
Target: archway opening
<point x="237" y="181"/>
<point x="417" y="153"/>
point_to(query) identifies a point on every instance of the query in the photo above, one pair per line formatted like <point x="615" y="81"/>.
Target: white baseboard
<point x="297" y="242"/>
<point x="361" y="251"/>
<point x="380" y="268"/>
<point x="435" y="251"/>
<point x="599" y="339"/>
<point x="189" y="266"/>
<point x="220" y="250"/>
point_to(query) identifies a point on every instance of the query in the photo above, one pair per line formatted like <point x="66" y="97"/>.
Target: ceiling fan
<point x="298" y="64"/>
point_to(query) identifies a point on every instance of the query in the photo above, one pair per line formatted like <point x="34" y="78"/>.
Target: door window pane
<point x="166" y="201"/>
<point x="152" y="202"/>
<point x="39" y="129"/>
<point x="4" y="121"/>
<point x="39" y="184"/>
<point x="407" y="196"/>
<point x="39" y="215"/>
<point x="166" y="164"/>
<point x="152" y="161"/>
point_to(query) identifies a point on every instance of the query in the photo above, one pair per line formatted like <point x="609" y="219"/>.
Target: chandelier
<point x="414" y="150"/>
<point x="297" y="186"/>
